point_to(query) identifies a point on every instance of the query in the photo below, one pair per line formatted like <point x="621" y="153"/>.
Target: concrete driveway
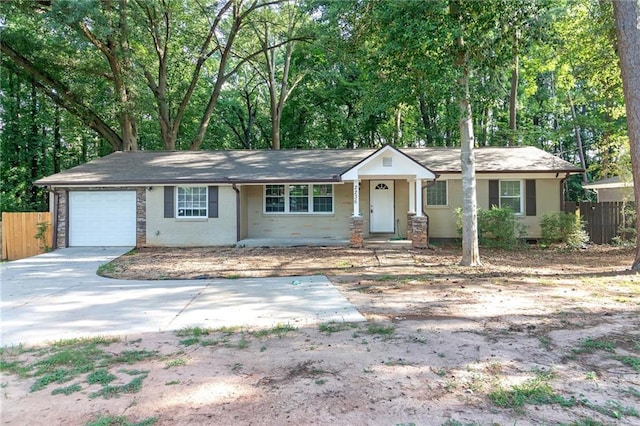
<point x="59" y="296"/>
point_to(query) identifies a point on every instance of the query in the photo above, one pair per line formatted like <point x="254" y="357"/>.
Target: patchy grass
<point x="280" y="330"/>
<point x="62" y="361"/>
<point x="381" y="330"/>
<point x="114" y="391"/>
<point x="334" y="327"/>
<point x="67" y="390"/>
<point x="120" y="421"/>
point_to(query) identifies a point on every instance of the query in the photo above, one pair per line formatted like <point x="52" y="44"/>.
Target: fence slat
<point x="18" y="234"/>
<point x="603" y="219"/>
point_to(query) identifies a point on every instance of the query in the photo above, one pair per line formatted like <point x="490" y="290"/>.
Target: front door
<point x="382" y="207"/>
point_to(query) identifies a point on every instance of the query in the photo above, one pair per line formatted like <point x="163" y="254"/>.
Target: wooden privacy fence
<point x="19" y="234"/>
<point x="602" y="220"/>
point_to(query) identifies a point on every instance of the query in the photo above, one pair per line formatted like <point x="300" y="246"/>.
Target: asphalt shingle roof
<point x="256" y="166"/>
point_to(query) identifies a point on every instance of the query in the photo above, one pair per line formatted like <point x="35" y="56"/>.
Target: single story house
<point x="612" y="189"/>
<point x="206" y="198"/>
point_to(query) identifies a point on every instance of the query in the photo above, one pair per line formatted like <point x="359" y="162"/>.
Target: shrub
<point x="497" y="227"/>
<point x="565" y="228"/>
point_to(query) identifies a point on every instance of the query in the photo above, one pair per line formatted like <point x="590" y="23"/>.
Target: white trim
<point x="310" y="199"/>
<point x="522" y="194"/>
<point x="177" y="203"/>
<point x="373" y="167"/>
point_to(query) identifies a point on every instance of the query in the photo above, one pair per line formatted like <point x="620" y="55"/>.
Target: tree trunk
<point x="579" y="146"/>
<point x="627" y="17"/>
<point x="57" y="140"/>
<point x="470" y="249"/>
<point x="513" y="96"/>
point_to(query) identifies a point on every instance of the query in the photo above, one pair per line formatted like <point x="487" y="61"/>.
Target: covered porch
<point x="387" y="192"/>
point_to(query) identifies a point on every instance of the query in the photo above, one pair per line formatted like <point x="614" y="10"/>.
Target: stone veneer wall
<point x="419" y="237"/>
<point x="62" y="213"/>
<point x="356" y="233"/>
<point x="141" y="217"/>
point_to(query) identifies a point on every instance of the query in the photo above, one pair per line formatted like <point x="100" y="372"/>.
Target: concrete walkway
<point x="59" y="296"/>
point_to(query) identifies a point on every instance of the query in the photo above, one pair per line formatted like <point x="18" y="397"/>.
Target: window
<point x="511" y="195"/>
<point x="298" y="198"/>
<point x="274" y="198"/>
<point x="323" y="198"/>
<point x="191" y="201"/>
<point x="437" y="193"/>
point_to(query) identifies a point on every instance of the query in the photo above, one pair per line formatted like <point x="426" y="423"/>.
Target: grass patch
<point x="67" y="390"/>
<point x="613" y="409"/>
<point x="120" y="421"/>
<point x="279" y="330"/>
<point x="334" y="327"/>
<point x="114" y="391"/>
<point x="591" y="345"/>
<point x="381" y="330"/>
<point x="193" y="332"/>
<point x="101" y="376"/>
<point x="178" y="362"/>
<point x="631" y="361"/>
<point x="534" y="391"/>
<point x="15" y="367"/>
<point x="133" y="356"/>
<point x="66" y="360"/>
<point x="106" y="269"/>
<point x="632" y="391"/>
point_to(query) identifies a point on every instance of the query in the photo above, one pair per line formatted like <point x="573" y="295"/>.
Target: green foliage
<point x="41" y="235"/>
<point x="120" y="421"/>
<point x="497" y="227"/>
<point x="562" y="227"/>
<point x="67" y="390"/>
<point x="627" y="229"/>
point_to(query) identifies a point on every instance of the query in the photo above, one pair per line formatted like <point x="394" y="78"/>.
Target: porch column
<point x="356" y="234"/>
<point x="420" y="237"/>
<point x="418" y="198"/>
<point x="412" y="196"/>
<point x="356" y="198"/>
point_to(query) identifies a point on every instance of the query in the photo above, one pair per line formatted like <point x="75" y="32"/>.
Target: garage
<point x="102" y="218"/>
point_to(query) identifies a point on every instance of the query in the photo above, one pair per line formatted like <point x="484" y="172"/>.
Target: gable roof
<point x="264" y="166"/>
<point x="388" y="161"/>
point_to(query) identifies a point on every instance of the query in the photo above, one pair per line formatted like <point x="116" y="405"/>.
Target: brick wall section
<point x="356" y="233"/>
<point x="141" y="217"/>
<point x="419" y="239"/>
<point x="410" y="217"/>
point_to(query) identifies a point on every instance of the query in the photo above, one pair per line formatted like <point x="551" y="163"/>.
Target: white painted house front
<point x="206" y="198"/>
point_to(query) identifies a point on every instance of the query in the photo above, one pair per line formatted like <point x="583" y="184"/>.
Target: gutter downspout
<point x="235" y="188"/>
<point x="563" y="205"/>
<point x="425" y="186"/>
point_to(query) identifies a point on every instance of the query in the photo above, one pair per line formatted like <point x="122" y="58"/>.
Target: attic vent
<point x="387" y="161"/>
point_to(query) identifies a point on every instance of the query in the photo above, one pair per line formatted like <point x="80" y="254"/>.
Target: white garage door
<point x="102" y="218"/>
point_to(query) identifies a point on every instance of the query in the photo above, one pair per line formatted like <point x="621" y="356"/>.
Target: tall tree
<point x="627" y="17"/>
<point x="277" y="29"/>
<point x="470" y="249"/>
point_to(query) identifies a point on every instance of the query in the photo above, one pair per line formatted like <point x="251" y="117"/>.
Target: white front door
<point x="382" y="207"/>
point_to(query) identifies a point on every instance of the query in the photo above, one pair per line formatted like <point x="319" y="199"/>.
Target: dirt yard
<point x="533" y="337"/>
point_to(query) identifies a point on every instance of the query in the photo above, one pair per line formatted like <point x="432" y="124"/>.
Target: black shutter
<point x="530" y="200"/>
<point x="168" y="202"/>
<point x="494" y="193"/>
<point x="213" y="201"/>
